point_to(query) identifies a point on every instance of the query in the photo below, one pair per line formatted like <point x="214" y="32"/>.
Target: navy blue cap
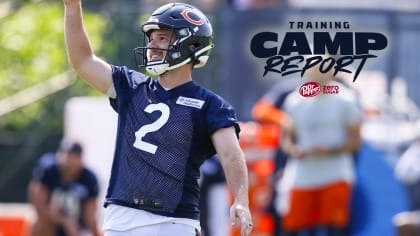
<point x="71" y="147"/>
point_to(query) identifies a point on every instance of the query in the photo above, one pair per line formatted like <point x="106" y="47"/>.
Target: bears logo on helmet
<point x="186" y="15"/>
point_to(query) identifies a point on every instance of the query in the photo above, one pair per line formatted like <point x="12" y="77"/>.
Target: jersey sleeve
<point x="353" y="113"/>
<point x="125" y="81"/>
<point x="92" y="184"/>
<point x="44" y="162"/>
<point x="220" y="114"/>
<point x="290" y="102"/>
<point x="48" y="176"/>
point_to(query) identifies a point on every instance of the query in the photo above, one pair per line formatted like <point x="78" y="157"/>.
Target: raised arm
<point x="92" y="69"/>
<point x="234" y="166"/>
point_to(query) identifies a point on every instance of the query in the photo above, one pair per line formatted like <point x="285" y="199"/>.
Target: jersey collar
<point x="183" y="89"/>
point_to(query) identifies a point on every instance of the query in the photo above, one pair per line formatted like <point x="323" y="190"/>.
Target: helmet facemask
<point x="154" y="67"/>
<point x="178" y="53"/>
<point x="192" y="31"/>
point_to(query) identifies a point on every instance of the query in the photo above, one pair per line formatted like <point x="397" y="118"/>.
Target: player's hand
<point x="71" y="227"/>
<point x="321" y="151"/>
<point x="240" y="216"/>
<point x="297" y="152"/>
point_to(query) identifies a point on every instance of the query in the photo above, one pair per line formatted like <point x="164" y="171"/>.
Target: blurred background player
<point x="167" y="126"/>
<point x="65" y="198"/>
<point x="320" y="136"/>
<point x="268" y="110"/>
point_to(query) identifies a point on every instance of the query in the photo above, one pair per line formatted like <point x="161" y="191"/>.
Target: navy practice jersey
<point x="45" y="161"/>
<point x="163" y="137"/>
<point x="70" y="196"/>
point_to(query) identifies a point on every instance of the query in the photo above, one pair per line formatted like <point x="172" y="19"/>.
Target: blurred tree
<point x="123" y="32"/>
<point x="32" y="51"/>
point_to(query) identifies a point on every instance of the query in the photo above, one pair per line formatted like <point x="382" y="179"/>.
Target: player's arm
<point x="353" y="140"/>
<point x="233" y="162"/>
<point x="288" y="140"/>
<point x="350" y="145"/>
<point x="89" y="212"/>
<point x="92" y="69"/>
<point x="39" y="197"/>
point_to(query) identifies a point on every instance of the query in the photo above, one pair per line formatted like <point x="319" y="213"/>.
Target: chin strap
<point x="159" y="67"/>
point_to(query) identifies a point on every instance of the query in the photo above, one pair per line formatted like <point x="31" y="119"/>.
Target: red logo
<point x="310" y="89"/>
<point x="195" y="14"/>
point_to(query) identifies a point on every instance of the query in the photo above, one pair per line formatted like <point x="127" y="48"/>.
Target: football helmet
<point x="194" y="38"/>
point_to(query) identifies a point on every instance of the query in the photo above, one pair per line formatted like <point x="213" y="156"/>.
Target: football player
<point x="167" y="126"/>
<point x="64" y="192"/>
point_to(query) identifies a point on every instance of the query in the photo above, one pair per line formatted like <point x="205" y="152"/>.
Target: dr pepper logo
<point x="310" y="89"/>
<point x="292" y="52"/>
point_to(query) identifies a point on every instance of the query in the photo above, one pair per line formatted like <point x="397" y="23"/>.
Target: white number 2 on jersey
<point x="156" y="125"/>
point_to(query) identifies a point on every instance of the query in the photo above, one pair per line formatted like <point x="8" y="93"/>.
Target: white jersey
<point x="320" y="121"/>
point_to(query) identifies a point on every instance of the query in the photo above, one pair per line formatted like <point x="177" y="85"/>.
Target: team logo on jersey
<point x="193" y="16"/>
<point x="190" y="102"/>
<point x="314" y="43"/>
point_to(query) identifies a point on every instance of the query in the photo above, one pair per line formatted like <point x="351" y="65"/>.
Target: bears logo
<point x="193" y="16"/>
